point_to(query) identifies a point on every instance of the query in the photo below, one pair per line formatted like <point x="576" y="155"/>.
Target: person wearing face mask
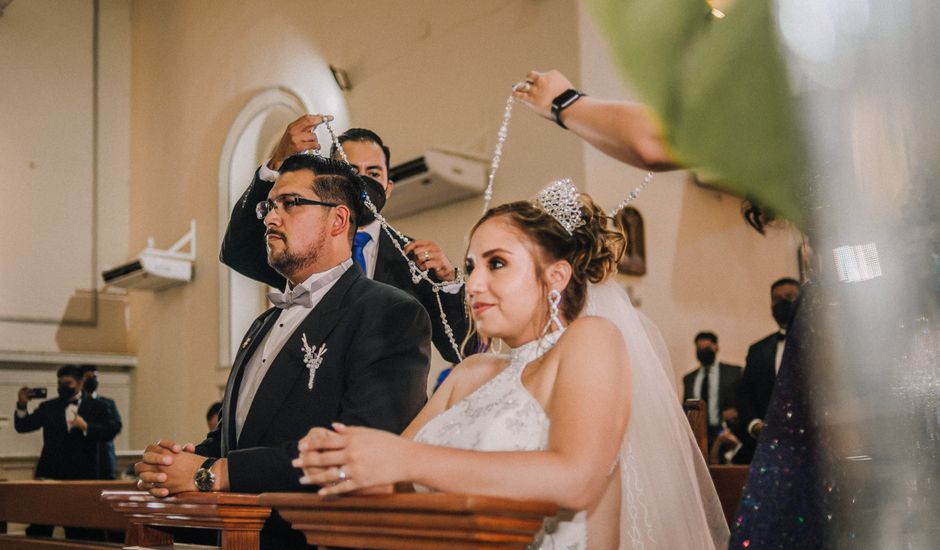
<point x="713" y="382"/>
<point x="73" y="425"/>
<point x="107" y="465"/>
<point x="763" y="362"/>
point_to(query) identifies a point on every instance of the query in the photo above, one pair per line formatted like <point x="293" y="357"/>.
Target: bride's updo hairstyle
<point x="593" y="249"/>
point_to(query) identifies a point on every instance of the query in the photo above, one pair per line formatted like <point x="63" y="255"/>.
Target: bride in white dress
<point x="581" y="413"/>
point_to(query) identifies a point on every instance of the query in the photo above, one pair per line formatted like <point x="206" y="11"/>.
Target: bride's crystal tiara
<point x="562" y="201"/>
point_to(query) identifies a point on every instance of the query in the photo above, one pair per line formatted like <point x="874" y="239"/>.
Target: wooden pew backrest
<point x="65" y="503"/>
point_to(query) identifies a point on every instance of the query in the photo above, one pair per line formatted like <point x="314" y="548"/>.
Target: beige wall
<point x="48" y="160"/>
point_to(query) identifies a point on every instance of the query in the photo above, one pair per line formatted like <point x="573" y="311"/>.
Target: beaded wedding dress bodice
<point x="501" y="415"/>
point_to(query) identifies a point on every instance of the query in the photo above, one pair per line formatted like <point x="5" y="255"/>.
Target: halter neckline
<point x="532" y="350"/>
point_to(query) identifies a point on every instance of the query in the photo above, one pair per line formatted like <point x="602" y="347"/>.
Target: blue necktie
<point x="359" y="242"/>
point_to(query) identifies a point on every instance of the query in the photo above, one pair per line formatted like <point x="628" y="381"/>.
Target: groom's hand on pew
<point x="168" y="468"/>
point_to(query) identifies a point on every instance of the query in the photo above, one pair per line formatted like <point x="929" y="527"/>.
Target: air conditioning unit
<point x="156" y="269"/>
<point x="439" y="177"/>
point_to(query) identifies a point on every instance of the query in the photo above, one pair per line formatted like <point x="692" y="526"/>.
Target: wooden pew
<point x="413" y="521"/>
<point x="398" y="521"/>
<point x="61" y="503"/>
<point x="697" y="415"/>
<point x="238" y="516"/>
<point x="729" y="484"/>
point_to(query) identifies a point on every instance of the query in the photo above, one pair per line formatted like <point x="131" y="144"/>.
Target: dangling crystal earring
<point x="554" y="301"/>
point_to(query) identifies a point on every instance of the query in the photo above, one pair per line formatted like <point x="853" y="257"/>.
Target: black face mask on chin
<point x="91" y="385"/>
<point x="781" y="312"/>
<point x="66" y="391"/>
<point x="705" y="357"/>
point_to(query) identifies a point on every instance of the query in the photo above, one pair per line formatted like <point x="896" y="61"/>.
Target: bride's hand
<point x="351" y="459"/>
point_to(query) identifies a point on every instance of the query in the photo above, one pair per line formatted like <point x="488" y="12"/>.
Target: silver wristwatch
<point x="204" y="478"/>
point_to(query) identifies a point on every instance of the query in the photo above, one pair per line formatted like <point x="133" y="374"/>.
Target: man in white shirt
<point x="373" y="249"/>
<point x="338" y="347"/>
<point x="714" y="382"/>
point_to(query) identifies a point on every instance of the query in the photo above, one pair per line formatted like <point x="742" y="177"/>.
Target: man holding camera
<point x="72" y="425"/>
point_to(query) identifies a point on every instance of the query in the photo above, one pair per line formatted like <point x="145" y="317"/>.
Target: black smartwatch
<point x="562" y="102"/>
<point x="204" y="478"/>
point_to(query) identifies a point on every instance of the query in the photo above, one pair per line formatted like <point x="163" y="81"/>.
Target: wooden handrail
<point x="239" y="516"/>
<point x="413" y="521"/>
<point x="65" y="503"/>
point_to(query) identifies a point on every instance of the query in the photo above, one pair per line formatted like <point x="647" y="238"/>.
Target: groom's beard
<point x="287" y="262"/>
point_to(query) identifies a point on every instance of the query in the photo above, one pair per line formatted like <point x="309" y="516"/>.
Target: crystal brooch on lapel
<point x="313" y="357"/>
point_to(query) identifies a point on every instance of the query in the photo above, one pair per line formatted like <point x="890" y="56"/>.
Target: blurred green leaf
<point x="720" y="89"/>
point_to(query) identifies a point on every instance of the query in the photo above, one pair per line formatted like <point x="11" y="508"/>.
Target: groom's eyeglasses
<point x="286" y="204"/>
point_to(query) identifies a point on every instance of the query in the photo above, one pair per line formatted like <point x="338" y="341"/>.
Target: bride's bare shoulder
<point x="595" y="332"/>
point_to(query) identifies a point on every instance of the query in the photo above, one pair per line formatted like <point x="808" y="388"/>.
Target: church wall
<point x="66" y="192"/>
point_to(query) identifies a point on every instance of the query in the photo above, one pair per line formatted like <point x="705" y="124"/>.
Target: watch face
<point x="204" y="479"/>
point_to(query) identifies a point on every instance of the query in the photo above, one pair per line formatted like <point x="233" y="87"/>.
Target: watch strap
<point x="562" y="101"/>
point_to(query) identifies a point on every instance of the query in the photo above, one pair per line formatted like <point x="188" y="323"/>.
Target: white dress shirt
<point x="371" y="250"/>
<point x="781" y="343"/>
<point x="284" y="326"/>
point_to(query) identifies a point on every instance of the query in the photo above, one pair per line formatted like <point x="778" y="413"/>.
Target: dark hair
<point x="706" y="335"/>
<point x="783" y="281"/>
<point x="71" y="371"/>
<point x="88" y="368"/>
<point x="363" y="134"/>
<point x="593" y="250"/>
<point x="214" y="409"/>
<point x="333" y="181"/>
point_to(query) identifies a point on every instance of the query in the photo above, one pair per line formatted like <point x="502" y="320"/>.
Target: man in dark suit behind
<point x="107" y="464"/>
<point x="373" y="249"/>
<point x="762" y="364"/>
<point x="715" y="383"/>
<point x="73" y="426"/>
<point x="338" y="348"/>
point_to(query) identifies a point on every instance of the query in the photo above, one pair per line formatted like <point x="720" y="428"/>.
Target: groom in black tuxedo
<point x="338" y="347"/>
<point x="373" y="249"/>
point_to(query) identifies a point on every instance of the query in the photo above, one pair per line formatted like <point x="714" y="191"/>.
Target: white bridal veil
<point x="668" y="500"/>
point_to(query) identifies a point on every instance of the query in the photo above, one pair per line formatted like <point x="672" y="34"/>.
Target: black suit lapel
<point x="390" y="267"/>
<point x="255" y="335"/>
<point x="771" y="360"/>
<point x="287" y="368"/>
<point x="725" y="385"/>
<point x="57" y="416"/>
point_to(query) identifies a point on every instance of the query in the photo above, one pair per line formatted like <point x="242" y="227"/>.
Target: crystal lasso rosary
<point x="501" y="136"/>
